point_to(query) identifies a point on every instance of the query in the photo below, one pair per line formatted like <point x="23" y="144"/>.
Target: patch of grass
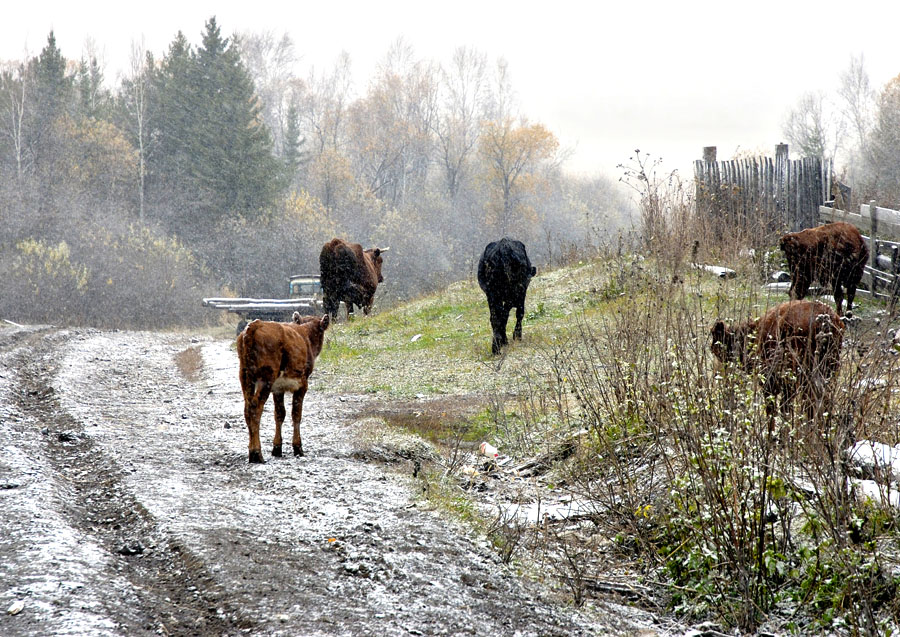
<point x="440" y="344"/>
<point x="443" y="492"/>
<point x="444" y="422"/>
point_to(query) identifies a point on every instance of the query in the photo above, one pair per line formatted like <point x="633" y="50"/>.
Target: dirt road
<point x="129" y="508"/>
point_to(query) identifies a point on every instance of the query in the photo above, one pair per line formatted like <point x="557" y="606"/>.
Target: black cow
<point x="504" y="273"/>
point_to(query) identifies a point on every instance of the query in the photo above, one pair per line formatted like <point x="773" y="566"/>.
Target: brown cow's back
<point x="794" y="347"/>
<point x="266" y="349"/>
<point x="834" y="254"/>
<point x="801" y="333"/>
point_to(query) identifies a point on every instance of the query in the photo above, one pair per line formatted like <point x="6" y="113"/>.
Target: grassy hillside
<point x="440" y="344"/>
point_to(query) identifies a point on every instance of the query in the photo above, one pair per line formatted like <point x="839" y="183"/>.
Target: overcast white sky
<point x="664" y="76"/>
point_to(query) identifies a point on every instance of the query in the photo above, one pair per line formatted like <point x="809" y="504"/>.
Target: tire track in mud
<point x="161" y="587"/>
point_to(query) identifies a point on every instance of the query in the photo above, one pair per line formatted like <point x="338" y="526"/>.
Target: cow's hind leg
<point x="254" y="401"/>
<point x="331" y="305"/>
<point x="498" y="327"/>
<point x="520" y="314"/>
<point x="851" y="294"/>
<point x="296" y="416"/>
<point x="504" y="319"/>
<point x="280" y="413"/>
<point x="838" y="293"/>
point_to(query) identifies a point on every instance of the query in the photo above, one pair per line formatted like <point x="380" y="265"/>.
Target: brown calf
<point x="835" y="255"/>
<point x="277" y="358"/>
<point x="795" y="346"/>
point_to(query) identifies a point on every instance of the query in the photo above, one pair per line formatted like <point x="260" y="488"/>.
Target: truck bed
<point x="251" y="307"/>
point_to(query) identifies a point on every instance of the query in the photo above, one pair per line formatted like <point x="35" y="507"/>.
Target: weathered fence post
<point x="873" y="245"/>
<point x="781" y="184"/>
<point x="895" y="280"/>
<point x="770" y="193"/>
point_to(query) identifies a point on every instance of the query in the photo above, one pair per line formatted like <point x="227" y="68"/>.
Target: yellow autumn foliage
<point x="99" y="159"/>
<point x="47" y="267"/>
<point x="310" y="214"/>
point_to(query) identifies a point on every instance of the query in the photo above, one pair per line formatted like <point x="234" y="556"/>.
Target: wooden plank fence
<point x="881" y="230"/>
<point x="775" y="193"/>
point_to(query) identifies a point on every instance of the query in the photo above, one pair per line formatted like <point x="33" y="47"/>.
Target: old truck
<point x="304" y="296"/>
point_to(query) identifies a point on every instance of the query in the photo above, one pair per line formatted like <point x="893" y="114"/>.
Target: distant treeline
<point x="214" y="169"/>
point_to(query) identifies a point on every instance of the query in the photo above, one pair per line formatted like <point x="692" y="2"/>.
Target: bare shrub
<point x="739" y="511"/>
<point x="114" y="276"/>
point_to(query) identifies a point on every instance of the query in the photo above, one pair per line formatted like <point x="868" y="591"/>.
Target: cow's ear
<point x="533" y="271"/>
<point x="324" y="322"/>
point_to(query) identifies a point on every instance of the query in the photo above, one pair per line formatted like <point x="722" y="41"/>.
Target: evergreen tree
<point x="52" y="86"/>
<point x="233" y="147"/>
<point x="293" y="142"/>
<point x="52" y="101"/>
<point x="172" y="104"/>
<point x="92" y="98"/>
<point x="211" y="146"/>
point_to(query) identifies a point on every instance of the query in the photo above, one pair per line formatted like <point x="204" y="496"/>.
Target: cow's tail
<point x="247" y="349"/>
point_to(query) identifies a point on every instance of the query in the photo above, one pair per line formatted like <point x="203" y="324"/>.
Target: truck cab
<point x="304" y="296"/>
<point x="306" y="286"/>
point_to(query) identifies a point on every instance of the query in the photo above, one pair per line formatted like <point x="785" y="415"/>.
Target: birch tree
<point x="15" y="92"/>
<point x="135" y="100"/>
<point x="463" y="93"/>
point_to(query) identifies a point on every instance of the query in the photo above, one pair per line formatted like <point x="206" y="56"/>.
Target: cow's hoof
<point x="256" y="457"/>
<point x="298" y="450"/>
<point x="276" y="451"/>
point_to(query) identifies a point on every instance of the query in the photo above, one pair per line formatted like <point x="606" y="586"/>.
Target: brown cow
<point x="795" y="346"/>
<point x="835" y="255"/>
<point x="277" y="358"/>
<point x="349" y="274"/>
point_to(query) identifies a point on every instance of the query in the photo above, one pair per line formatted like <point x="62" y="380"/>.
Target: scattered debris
<point x="415" y="338"/>
<point x="16" y="607"/>
<point x="874" y="491"/>
<point x="895" y="339"/>
<point x="869" y="384"/>
<point x="542" y="463"/>
<point x="719" y="271"/>
<point x="489" y="450"/>
<point x="780" y="276"/>
<point x="470" y="471"/>
<point x="132" y="548"/>
<point x="875" y="459"/>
